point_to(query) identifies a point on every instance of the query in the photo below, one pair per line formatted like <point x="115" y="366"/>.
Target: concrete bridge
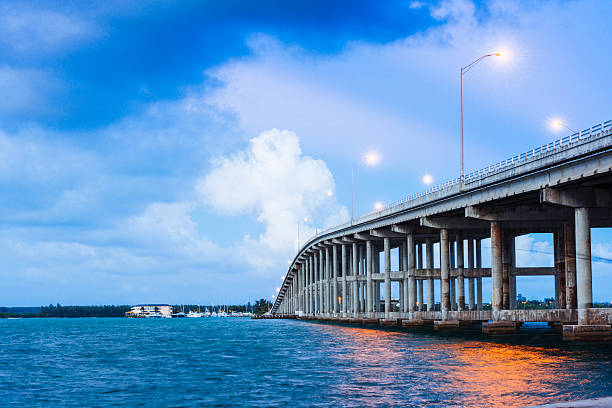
<point x="563" y="188"/>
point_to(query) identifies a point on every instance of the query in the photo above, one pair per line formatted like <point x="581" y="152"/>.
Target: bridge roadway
<point x="563" y="188"/>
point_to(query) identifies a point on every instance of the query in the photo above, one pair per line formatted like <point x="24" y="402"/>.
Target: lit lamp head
<point x="427" y="179"/>
<point x="378" y="206"/>
<point x="371" y="159"/>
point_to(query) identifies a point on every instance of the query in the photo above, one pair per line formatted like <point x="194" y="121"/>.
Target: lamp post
<point x="464" y="70"/>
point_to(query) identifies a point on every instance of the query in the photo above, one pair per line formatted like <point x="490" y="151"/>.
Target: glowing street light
<point x="378" y="206"/>
<point x="371" y="159"/>
<point x="427" y="179"/>
<point x="464" y="70"/>
<point x="556" y="125"/>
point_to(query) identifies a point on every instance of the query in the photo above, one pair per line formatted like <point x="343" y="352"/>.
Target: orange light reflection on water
<point x="466" y="372"/>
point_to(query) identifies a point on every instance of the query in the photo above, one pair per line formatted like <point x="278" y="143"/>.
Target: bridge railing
<point x="533" y="154"/>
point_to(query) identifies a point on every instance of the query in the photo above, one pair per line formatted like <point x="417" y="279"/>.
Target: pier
<point x="344" y="274"/>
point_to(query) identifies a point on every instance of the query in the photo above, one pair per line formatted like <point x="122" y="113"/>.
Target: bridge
<point x="562" y="188"/>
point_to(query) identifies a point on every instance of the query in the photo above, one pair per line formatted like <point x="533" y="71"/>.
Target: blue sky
<point x="158" y="152"/>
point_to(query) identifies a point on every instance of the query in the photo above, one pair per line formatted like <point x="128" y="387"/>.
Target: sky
<point x="179" y="151"/>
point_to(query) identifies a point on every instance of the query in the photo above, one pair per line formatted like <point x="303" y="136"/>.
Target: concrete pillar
<point x="405" y="289"/>
<point x="321" y="285"/>
<point x="343" y="269"/>
<point x="387" y="246"/>
<point x="355" y="305"/>
<point x="444" y="274"/>
<point x="559" y="245"/>
<point x="460" y="280"/>
<point x="412" y="290"/>
<point x="431" y="299"/>
<point x="296" y="289"/>
<point x="420" y="301"/>
<point x="369" y="298"/>
<point x="471" y="289"/>
<point x="496" y="268"/>
<point x="451" y="267"/>
<point x="570" y="265"/>
<point x="335" y="294"/>
<point x="479" y="279"/>
<point x="306" y="285"/>
<point x="419" y="264"/>
<point x="362" y="272"/>
<point x="326" y="282"/>
<point x="316" y="282"/>
<point x="311" y="295"/>
<point x="584" y="278"/>
<point x="507" y="265"/>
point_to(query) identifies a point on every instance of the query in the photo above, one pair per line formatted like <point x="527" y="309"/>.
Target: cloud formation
<point x="273" y="181"/>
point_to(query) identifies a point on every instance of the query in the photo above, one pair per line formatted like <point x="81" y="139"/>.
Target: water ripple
<point x="258" y="363"/>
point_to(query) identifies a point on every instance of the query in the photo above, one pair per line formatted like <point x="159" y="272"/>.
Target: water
<point x="242" y="362"/>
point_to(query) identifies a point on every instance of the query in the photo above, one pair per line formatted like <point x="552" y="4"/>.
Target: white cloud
<point x="273" y="181"/>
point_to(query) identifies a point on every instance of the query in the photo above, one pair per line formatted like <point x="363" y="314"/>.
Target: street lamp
<point x="370" y="159"/>
<point x="464" y="70"/>
<point x="557" y="124"/>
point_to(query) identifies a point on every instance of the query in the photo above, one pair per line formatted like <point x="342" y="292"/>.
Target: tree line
<point x="259" y="307"/>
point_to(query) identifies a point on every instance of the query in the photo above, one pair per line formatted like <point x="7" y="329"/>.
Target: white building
<point x="149" y="310"/>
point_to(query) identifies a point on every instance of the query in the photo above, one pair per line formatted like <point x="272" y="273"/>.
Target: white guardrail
<point x="533" y="154"/>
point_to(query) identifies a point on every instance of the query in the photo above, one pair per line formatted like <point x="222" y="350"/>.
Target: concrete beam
<point x="452" y="223"/>
<point x="363" y="236"/>
<point x="384" y="233"/>
<point x="403" y="229"/>
<point x="584" y="197"/>
<point x="518" y="213"/>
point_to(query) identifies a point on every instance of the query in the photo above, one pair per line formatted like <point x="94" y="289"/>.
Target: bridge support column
<point x="584" y="279"/>
<point x="405" y="287"/>
<point x="585" y="330"/>
<point x="369" y="298"/>
<point x="479" y="279"/>
<point x="355" y="270"/>
<point x="559" y="245"/>
<point x="570" y="266"/>
<point x="327" y="283"/>
<point x="419" y="265"/>
<point x="362" y="272"/>
<point x="444" y="274"/>
<point x="343" y="269"/>
<point x="431" y="299"/>
<point x="321" y="282"/>
<point x="460" y="280"/>
<point x="496" y="268"/>
<point x="471" y="288"/>
<point x="335" y="276"/>
<point x="410" y="246"/>
<point x="507" y="254"/>
<point x="311" y="287"/>
<point x="387" y="247"/>
<point x="452" y="267"/>
<point x="420" y="301"/>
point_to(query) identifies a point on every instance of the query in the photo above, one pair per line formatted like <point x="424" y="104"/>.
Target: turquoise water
<point x="242" y="362"/>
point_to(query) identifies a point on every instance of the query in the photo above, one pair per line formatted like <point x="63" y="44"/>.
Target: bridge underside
<point x="340" y="276"/>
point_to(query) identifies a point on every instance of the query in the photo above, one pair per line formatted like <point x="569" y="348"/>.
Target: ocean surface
<point x="240" y="362"/>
